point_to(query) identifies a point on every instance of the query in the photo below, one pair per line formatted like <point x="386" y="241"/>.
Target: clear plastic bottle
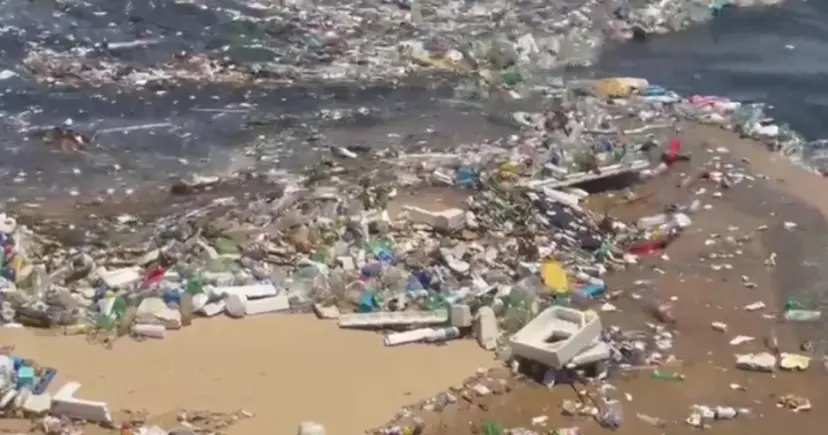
<point x="611" y="414"/>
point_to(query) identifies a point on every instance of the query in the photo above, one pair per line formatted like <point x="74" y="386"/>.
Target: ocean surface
<point x="143" y="136"/>
<point x="774" y="54"/>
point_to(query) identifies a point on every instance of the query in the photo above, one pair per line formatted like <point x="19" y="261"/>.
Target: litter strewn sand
<point x="283" y="368"/>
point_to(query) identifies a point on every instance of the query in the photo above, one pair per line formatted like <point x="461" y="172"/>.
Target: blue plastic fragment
<point x="44" y="381"/>
<point x="25" y="377"/>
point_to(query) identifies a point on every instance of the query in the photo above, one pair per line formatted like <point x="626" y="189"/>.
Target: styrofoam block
<point x="7" y="398"/>
<point x="394" y="318"/>
<point x="324" y="312"/>
<point x="486" y="330"/>
<point x="573" y="331"/>
<point x="213" y="308"/>
<point x="64" y="403"/>
<point x="38" y="403"/>
<point x="120" y="277"/>
<point x="411" y="336"/>
<point x="562" y="197"/>
<point x="599" y="351"/>
<point x="310" y="428"/>
<point x="235" y="305"/>
<point x="583" y="177"/>
<point x="149" y="330"/>
<point x="448" y="219"/>
<point x="200" y="300"/>
<point x="260" y="290"/>
<point x="276" y="303"/>
<point x="460" y="316"/>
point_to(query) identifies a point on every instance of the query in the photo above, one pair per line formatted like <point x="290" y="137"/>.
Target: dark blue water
<point x="775" y="55"/>
<point x="195" y="126"/>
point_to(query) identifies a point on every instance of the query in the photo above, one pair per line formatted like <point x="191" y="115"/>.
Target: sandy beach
<point x="282" y="368"/>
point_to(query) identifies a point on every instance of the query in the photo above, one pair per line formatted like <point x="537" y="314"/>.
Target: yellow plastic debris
<point x="554" y="277"/>
<point x="438" y="62"/>
<point x="508" y="171"/>
<point x="619" y="87"/>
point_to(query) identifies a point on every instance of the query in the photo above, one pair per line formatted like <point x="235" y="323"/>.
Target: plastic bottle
<point x="466" y="178"/>
<point x="383" y="250"/>
<point x="195" y="285"/>
<point x="443" y="334"/>
<point x="435" y="301"/>
<point x="796" y="315"/>
<point x="119" y="306"/>
<point x="491" y="428"/>
<point x="611" y="416"/>
<point x="509" y="78"/>
<point x="667" y="376"/>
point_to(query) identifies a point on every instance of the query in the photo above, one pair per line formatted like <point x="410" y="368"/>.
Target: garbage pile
<point x="361" y="232"/>
<point x="329" y="238"/>
<point x="492" y="241"/>
<point x="282" y="42"/>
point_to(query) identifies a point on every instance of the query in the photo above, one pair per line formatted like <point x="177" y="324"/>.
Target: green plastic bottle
<point x="667" y="376"/>
<point x="195" y="285"/>
<point x="491" y="428"/>
<point x="509" y="78"/>
<point x="119" y="307"/>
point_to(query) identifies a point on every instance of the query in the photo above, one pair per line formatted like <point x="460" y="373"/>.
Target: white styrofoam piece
<point x="212" y="309"/>
<point x="583" y="177"/>
<point x="598" y="351"/>
<point x="562" y="197"/>
<point x="448" y="219"/>
<point x="120" y="277"/>
<point x="37" y="404"/>
<point x="394" y="318"/>
<point x="310" y="428"/>
<point x="235" y="305"/>
<point x="573" y="329"/>
<point x="486" y="330"/>
<point x="273" y="304"/>
<point x="199" y="301"/>
<point x="412" y="336"/>
<point x="260" y="290"/>
<point x="8" y="396"/>
<point x="64" y="403"/>
<point x="324" y="312"/>
<point x="149" y="330"/>
<point x="460" y="316"/>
